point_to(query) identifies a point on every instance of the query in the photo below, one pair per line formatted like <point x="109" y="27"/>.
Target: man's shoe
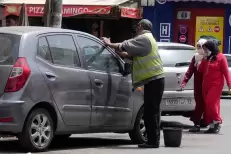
<point x="145" y="145"/>
<point x="195" y="129"/>
<point x="214" y="130"/>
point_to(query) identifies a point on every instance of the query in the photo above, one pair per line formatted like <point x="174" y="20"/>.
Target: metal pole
<point x="56" y="13"/>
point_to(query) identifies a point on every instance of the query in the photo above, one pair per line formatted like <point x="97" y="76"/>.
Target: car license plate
<point x="176" y="102"/>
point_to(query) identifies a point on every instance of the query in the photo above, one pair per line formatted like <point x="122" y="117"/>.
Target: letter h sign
<point x="165" y="29"/>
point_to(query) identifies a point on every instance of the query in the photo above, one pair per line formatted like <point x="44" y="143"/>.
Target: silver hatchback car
<point x="57" y="82"/>
<point x="225" y="92"/>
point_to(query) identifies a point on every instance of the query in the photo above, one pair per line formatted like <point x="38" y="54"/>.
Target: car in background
<point x="225" y="92"/>
<point x="212" y="38"/>
<point x="176" y="59"/>
<point x="57" y="82"/>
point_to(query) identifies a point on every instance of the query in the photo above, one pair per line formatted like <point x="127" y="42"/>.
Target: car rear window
<point x="176" y="56"/>
<point x="9" y="47"/>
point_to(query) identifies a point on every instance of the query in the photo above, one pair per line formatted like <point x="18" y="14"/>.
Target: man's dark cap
<point x="146" y="24"/>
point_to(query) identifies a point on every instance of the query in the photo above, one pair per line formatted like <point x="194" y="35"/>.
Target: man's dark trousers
<point x="153" y="92"/>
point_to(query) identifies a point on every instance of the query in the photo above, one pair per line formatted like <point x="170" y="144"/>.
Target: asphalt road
<point x="110" y="143"/>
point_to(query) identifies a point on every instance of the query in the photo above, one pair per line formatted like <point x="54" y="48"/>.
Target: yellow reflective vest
<point x="147" y="66"/>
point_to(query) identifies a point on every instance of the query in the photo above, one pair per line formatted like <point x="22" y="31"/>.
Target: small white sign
<point x="165" y="29"/>
<point x="184" y="15"/>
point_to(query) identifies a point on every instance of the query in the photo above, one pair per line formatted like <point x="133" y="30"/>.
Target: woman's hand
<point x="183" y="85"/>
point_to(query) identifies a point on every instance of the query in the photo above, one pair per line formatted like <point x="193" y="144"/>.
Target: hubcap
<point x="143" y="133"/>
<point x="40" y="130"/>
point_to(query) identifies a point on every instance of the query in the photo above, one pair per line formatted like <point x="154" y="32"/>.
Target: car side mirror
<point x="127" y="68"/>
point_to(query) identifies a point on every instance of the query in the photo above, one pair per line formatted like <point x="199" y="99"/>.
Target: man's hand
<point x="123" y="54"/>
<point x="107" y="41"/>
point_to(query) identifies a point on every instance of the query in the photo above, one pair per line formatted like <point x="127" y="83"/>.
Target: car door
<point x="68" y="82"/>
<point x="111" y="105"/>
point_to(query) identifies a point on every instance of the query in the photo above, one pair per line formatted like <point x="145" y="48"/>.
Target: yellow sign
<point x="210" y="28"/>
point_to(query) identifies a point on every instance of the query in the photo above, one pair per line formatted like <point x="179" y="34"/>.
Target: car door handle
<point x="50" y="75"/>
<point x="98" y="83"/>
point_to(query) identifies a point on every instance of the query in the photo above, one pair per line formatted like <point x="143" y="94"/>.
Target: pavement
<point x="110" y="143"/>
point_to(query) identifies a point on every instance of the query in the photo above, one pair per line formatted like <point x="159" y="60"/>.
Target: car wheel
<point x="138" y="134"/>
<point x="38" y="131"/>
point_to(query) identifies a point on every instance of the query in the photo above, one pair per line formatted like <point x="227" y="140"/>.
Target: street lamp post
<point x="56" y="13"/>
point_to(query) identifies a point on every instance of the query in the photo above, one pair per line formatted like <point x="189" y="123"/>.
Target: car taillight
<point x="18" y="76"/>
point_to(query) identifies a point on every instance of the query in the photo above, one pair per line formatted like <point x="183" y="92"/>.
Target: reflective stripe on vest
<point x="147" y="66"/>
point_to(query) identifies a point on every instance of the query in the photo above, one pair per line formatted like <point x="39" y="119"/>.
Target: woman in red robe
<point x="193" y="70"/>
<point x="214" y="69"/>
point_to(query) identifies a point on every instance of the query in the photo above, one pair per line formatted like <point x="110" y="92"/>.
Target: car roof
<point x="21" y="30"/>
<point x="160" y="44"/>
<point x="227" y="55"/>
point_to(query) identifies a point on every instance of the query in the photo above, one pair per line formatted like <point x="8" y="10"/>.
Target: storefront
<point x="102" y="18"/>
<point x="185" y="21"/>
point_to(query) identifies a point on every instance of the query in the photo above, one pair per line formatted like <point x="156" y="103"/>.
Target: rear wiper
<point x="182" y="64"/>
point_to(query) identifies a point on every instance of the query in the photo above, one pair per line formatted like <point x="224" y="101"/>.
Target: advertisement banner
<point x="210" y="28"/>
<point x="68" y="10"/>
<point x="131" y="13"/>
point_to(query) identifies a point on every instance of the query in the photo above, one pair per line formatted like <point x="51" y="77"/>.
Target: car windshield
<point x="176" y="56"/>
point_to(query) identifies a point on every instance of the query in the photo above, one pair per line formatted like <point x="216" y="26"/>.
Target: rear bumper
<point x="13" y="110"/>
<point x="182" y="95"/>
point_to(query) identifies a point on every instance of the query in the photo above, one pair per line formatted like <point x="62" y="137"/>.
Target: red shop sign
<point x="131" y="13"/>
<point x="68" y="10"/>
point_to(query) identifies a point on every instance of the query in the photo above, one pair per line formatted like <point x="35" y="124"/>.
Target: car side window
<point x="43" y="49"/>
<point x="98" y="57"/>
<point x="228" y="60"/>
<point x="63" y="50"/>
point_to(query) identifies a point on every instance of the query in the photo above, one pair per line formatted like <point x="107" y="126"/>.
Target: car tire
<point x="38" y="131"/>
<point x="138" y="134"/>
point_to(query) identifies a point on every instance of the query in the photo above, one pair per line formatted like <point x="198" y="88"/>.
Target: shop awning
<point x="68" y="2"/>
<point x="215" y="1"/>
<point x="71" y="7"/>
